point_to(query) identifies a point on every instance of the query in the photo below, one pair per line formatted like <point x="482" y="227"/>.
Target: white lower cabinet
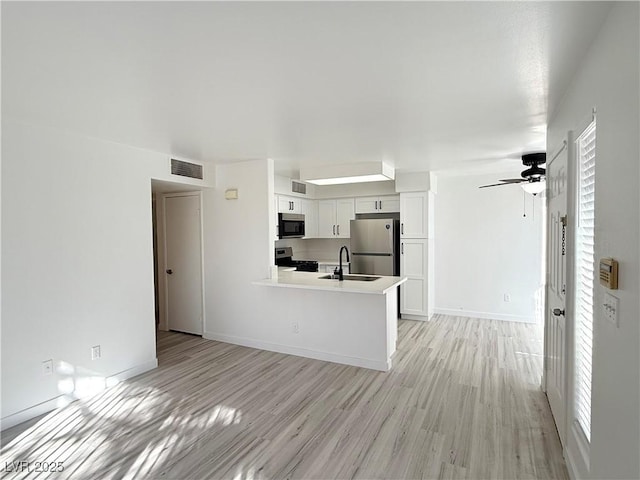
<point x="414" y="266"/>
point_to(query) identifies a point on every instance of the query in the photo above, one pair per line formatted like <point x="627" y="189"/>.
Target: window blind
<point x="584" y="278"/>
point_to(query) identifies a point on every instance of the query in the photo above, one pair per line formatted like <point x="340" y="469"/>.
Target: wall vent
<point x="297" y="187"/>
<point x="186" y="169"/>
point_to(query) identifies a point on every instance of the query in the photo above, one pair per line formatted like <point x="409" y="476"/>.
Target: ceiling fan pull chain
<point x="524" y="204"/>
<point x="533" y="207"/>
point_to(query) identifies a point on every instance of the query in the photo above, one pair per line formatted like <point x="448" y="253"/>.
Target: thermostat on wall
<point x="609" y="273"/>
<point x="231" y="194"/>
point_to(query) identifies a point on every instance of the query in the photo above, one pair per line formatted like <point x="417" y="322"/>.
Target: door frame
<point x="569" y="340"/>
<point x="164" y="290"/>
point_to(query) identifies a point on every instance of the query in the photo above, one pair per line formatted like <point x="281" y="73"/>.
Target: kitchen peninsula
<point x="353" y="322"/>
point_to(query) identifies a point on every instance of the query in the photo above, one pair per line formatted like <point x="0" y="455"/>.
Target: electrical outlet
<point x="95" y="352"/>
<point x="47" y="367"/>
<point x="296" y="327"/>
<point x="507" y="297"/>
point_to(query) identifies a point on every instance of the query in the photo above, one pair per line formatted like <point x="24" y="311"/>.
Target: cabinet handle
<point x="338" y="229"/>
<point x="402" y="248"/>
<point x="380" y="202"/>
<point x="334" y="229"/>
<point x="290" y="205"/>
<point x="402" y="228"/>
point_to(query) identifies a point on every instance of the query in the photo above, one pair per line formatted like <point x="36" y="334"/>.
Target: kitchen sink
<point x="357" y="278"/>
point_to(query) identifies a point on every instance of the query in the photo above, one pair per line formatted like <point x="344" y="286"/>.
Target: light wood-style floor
<point x="462" y="401"/>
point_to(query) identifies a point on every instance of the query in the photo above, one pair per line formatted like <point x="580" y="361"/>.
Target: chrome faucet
<point x="340" y="275"/>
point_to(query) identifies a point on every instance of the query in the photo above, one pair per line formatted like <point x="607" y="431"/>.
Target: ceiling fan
<point x="533" y="176"/>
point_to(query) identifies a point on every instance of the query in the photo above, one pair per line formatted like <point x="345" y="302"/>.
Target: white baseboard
<point x="569" y="462"/>
<point x="485" y="315"/>
<point x="35" y="411"/>
<point x="383" y="366"/>
<point x="418" y="318"/>
<point x="63" y="400"/>
<point x="135" y="371"/>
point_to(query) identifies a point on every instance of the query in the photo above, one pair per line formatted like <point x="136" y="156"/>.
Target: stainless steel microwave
<point x="290" y="225"/>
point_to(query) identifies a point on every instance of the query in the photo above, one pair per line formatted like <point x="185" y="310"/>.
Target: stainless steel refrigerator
<point x="374" y="246"/>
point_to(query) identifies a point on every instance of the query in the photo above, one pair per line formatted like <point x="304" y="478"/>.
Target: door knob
<point x="557" y="312"/>
<point x="169" y="271"/>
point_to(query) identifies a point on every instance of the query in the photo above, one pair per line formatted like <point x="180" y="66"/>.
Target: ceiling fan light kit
<point x="534" y="188"/>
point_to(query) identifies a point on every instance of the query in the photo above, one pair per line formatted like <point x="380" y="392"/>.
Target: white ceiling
<point x="422" y="85"/>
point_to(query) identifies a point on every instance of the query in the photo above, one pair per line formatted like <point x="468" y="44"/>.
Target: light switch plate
<point x="610" y="308"/>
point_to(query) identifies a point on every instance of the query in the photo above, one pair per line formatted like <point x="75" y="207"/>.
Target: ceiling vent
<point x="186" y="169"/>
<point x="297" y="187"/>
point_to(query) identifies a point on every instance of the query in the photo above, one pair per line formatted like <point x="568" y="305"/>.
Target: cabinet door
<point x="289" y="204"/>
<point x="296" y="205"/>
<point x="413" y="265"/>
<point x="326" y="218"/>
<point x="284" y="204"/>
<point x="367" y="204"/>
<point x="389" y="204"/>
<point x="345" y="212"/>
<point x="413" y="215"/>
<point x="309" y="208"/>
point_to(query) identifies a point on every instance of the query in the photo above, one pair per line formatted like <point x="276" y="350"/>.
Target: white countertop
<point x="311" y="281"/>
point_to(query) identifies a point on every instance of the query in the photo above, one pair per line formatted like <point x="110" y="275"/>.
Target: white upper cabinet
<point x="334" y="217"/>
<point x="381" y="204"/>
<point x="345" y="212"/>
<point x="326" y="218"/>
<point x="414" y="209"/>
<point x="289" y="204"/>
<point x="309" y="208"/>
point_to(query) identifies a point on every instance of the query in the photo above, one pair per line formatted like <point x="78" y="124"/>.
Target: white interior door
<point x="183" y="262"/>
<point x="555" y="321"/>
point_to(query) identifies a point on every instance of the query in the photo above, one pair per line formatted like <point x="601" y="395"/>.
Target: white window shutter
<point x="584" y="277"/>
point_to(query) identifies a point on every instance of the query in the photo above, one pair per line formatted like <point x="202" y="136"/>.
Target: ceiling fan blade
<point x="496" y="184"/>
<point x="514" y="180"/>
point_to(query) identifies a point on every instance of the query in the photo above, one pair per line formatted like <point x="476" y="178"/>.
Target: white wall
<point x="238" y="248"/>
<point x="485" y="249"/>
<point x="77" y="264"/>
<point x="608" y="79"/>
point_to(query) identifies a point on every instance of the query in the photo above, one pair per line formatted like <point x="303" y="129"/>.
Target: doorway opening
<point x="177" y="258"/>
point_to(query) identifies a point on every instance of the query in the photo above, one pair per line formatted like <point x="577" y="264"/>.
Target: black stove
<point x="284" y="259"/>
